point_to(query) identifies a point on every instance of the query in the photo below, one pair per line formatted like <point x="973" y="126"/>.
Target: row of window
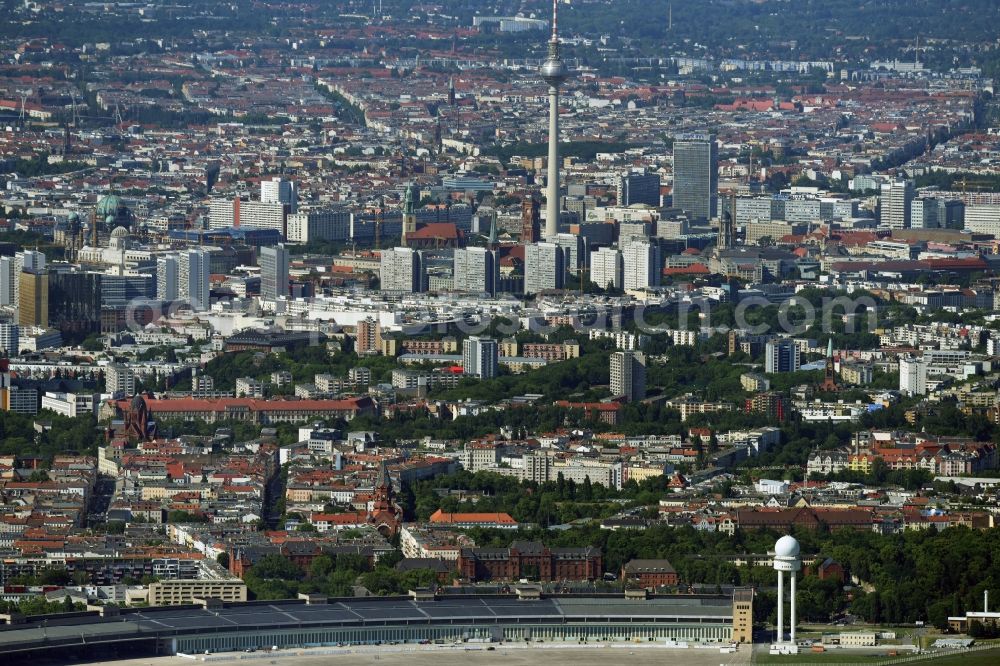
<point x="450" y="633"/>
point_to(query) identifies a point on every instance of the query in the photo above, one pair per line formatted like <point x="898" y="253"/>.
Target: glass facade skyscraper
<point x="696" y="175"/>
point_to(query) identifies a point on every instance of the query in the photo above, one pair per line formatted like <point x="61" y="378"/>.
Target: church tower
<point x="530" y="220"/>
<point x="409" y="213"/>
<point x="829" y="370"/>
<point x="383" y="495"/>
<point x="385" y="515"/>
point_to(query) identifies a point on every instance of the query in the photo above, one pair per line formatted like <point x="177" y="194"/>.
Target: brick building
<point x="808" y="518"/>
<point x="649" y="573"/>
<point x="530" y="559"/>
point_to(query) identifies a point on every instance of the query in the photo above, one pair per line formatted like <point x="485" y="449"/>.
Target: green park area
<point x="984" y="658"/>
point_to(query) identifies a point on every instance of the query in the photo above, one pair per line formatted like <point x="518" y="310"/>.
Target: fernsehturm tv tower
<point x="554" y="72"/>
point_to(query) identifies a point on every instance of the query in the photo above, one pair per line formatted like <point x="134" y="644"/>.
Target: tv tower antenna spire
<point x="554" y="73"/>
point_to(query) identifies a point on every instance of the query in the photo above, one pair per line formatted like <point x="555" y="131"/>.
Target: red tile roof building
<point x="254" y="410"/>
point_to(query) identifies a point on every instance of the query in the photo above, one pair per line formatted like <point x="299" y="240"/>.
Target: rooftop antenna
<point x="670" y="17"/>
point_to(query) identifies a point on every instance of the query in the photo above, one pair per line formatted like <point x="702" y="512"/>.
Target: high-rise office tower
<point x="924" y="213"/>
<point x="476" y="270"/>
<point x="193" y="278"/>
<point x="574" y="250"/>
<point x="75" y="300"/>
<point x="639" y="188"/>
<point x="606" y="268"/>
<point x="781" y="356"/>
<point x="9" y="339"/>
<point x="167" y="279"/>
<point x="367" y="337"/>
<point x="403" y="270"/>
<point x="33" y="298"/>
<point x="278" y="190"/>
<point x="118" y="291"/>
<point x="273" y="272"/>
<point x="727" y="224"/>
<point x="951" y="213"/>
<point x="894" y="204"/>
<point x="31" y="260"/>
<point x="628" y="375"/>
<point x="9" y="275"/>
<point x="480" y="357"/>
<point x="544" y="267"/>
<point x="642" y="265"/>
<point x="696" y="175"/>
<point x="554" y="73"/>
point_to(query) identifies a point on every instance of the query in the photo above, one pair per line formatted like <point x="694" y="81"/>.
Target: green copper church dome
<point x="109" y="206"/>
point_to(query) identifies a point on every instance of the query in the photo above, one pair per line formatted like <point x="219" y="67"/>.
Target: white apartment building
<point x="248" y="387"/>
<point x="10" y="339"/>
<point x="119" y="380"/>
<point x="226" y="213"/>
<point x="193" y="278"/>
<point x="912" y="375"/>
<point x="544" y="267"/>
<point x="476" y="270"/>
<point x="983" y="219"/>
<point x="167" y="279"/>
<point x="480" y="357"/>
<point x="319" y="225"/>
<point x="628" y="375"/>
<point x="71" y="404"/>
<point x="273" y="272"/>
<point x="641" y="265"/>
<point x="895" y="203"/>
<point x="279" y="191"/>
<point x="607" y="268"/>
<point x="623" y="339"/>
<point x="403" y="270"/>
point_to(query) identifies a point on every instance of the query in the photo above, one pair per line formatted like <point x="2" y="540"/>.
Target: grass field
<point x="836" y="657"/>
<point x="985" y="658"/>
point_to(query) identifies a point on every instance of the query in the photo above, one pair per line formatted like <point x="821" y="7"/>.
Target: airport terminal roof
<point x="75" y="628"/>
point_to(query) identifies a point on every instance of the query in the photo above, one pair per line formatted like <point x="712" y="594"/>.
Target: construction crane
<point x="976" y="185"/>
<point x="121" y="110"/>
<point x="378" y="222"/>
<point x="76" y="112"/>
<point x="25" y="94"/>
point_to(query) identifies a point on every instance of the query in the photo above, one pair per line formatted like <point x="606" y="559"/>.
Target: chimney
<point x="986" y="601"/>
